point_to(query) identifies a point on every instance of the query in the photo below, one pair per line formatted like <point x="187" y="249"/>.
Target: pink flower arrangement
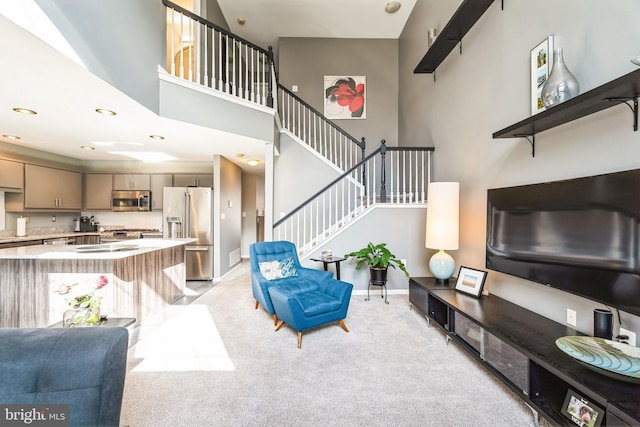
<point x="86" y="298"/>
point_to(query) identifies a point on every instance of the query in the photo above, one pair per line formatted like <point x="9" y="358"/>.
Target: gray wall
<point x="299" y="174"/>
<point x="227" y="187"/>
<point x="252" y="202"/>
<point x="487" y="88"/>
<point x="122" y="58"/>
<point x="395" y="226"/>
<point x="305" y="62"/>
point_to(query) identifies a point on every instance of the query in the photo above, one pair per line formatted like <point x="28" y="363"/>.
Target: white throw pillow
<point x="270" y="269"/>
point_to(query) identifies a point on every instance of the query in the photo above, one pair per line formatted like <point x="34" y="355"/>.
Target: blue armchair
<point x="279" y="252"/>
<point x="327" y="302"/>
<point x="83" y="368"/>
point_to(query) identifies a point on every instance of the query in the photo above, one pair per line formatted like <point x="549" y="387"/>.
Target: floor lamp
<point x="442" y="227"/>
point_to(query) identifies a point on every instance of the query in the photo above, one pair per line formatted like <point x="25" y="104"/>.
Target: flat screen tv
<point x="579" y="235"/>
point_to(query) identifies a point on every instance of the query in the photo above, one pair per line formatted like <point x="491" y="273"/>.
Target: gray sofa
<point x="80" y="367"/>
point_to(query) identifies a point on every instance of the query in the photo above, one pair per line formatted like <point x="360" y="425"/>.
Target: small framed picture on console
<point x="471" y="281"/>
<point x="581" y="411"/>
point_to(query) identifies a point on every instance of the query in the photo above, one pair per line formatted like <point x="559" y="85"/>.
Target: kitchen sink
<point x="106" y="247"/>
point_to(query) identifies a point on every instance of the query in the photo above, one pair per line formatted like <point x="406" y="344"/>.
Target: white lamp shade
<point x="443" y="200"/>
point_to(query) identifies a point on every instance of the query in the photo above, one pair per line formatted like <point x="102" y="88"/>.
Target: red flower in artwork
<point x="347" y="94"/>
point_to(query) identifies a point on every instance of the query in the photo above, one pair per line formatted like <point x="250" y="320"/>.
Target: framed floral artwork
<point x="345" y="97"/>
<point x="541" y="63"/>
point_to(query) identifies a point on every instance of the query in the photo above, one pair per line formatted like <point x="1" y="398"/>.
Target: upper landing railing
<point x="199" y="51"/>
<point x="202" y="52"/>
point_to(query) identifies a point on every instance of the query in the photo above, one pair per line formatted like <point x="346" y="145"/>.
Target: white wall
<point x="487" y="89"/>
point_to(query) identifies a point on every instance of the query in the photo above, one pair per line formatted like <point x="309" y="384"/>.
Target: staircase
<point x="208" y="55"/>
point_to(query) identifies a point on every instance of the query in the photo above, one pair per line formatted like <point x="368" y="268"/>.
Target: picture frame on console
<point x="541" y="62"/>
<point x="580" y="411"/>
<point x="470" y="281"/>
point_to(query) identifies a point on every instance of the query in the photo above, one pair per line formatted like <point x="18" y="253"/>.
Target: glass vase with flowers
<point x="83" y="302"/>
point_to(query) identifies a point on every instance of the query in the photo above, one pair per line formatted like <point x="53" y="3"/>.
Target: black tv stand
<point x="518" y="347"/>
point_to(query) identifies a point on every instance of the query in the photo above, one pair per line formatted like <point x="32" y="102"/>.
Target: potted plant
<point x="379" y="259"/>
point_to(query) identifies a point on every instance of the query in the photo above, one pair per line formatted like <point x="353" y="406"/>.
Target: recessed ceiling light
<point x="105" y="112"/>
<point x="240" y="155"/>
<point x="10" y="136"/>
<point x="86" y="147"/>
<point x="392" y="7"/>
<point x="24" y="111"/>
<point x="241" y="21"/>
<point x="253" y="162"/>
<point x="158" y="137"/>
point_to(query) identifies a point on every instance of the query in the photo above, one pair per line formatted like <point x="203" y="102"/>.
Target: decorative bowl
<point x="611" y="358"/>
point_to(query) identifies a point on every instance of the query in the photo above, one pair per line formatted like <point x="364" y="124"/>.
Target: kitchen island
<point x="144" y="276"/>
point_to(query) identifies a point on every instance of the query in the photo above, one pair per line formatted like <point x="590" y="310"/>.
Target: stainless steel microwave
<point x="131" y="201"/>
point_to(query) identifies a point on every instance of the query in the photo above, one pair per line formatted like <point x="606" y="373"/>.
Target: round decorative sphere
<point x="442" y="265"/>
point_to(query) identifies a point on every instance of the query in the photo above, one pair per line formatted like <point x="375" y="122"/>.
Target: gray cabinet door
<point x="192" y="180"/>
<point x="49" y="188"/>
<point x="97" y="191"/>
<point x="11" y="175"/>
<point x="158" y="182"/>
<point x="131" y="181"/>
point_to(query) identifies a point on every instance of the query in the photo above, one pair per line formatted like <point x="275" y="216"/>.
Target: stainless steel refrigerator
<point x="188" y="212"/>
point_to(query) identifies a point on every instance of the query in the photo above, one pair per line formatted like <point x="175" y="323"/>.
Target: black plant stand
<point x="378" y="277"/>
<point x="383" y="290"/>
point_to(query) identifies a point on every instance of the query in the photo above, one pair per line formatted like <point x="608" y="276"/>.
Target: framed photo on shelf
<point x="470" y="281"/>
<point x="541" y="63"/>
<point x="581" y="411"/>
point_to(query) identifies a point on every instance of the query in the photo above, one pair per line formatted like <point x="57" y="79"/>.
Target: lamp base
<point x="442" y="282"/>
<point x="442" y="266"/>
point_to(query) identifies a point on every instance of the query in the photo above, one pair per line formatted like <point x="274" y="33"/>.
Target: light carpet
<point x="218" y="362"/>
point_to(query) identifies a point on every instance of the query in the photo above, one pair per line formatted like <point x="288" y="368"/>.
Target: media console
<point x="518" y="347"/>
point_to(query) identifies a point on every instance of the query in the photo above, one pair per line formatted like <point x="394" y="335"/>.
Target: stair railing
<point x="318" y="132"/>
<point x="204" y="53"/>
<point x="344" y="199"/>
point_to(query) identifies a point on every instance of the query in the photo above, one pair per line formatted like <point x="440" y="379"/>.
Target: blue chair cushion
<point x="295" y="285"/>
<point x="314" y="303"/>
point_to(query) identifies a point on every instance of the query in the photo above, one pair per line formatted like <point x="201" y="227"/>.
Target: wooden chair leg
<point x="341" y="323"/>
<point x="279" y="325"/>
<point x="257" y="304"/>
<point x="275" y="319"/>
<point x="299" y="339"/>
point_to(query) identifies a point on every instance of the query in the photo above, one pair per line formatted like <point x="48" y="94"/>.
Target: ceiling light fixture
<point x="10" y="136"/>
<point x="240" y="155"/>
<point x="241" y="21"/>
<point x="158" y="137"/>
<point x="24" y="111"/>
<point x="105" y="112"/>
<point x="253" y="162"/>
<point x="392" y="7"/>
<point x="86" y="147"/>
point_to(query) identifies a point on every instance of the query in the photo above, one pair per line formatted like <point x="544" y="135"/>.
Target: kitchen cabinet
<point x="11" y="176"/>
<point x="192" y="180"/>
<point x="158" y="182"/>
<point x="131" y="181"/>
<point x="47" y="188"/>
<point x="97" y="191"/>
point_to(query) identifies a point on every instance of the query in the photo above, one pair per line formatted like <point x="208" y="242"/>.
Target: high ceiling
<point x="268" y="20"/>
<point x="65" y="95"/>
